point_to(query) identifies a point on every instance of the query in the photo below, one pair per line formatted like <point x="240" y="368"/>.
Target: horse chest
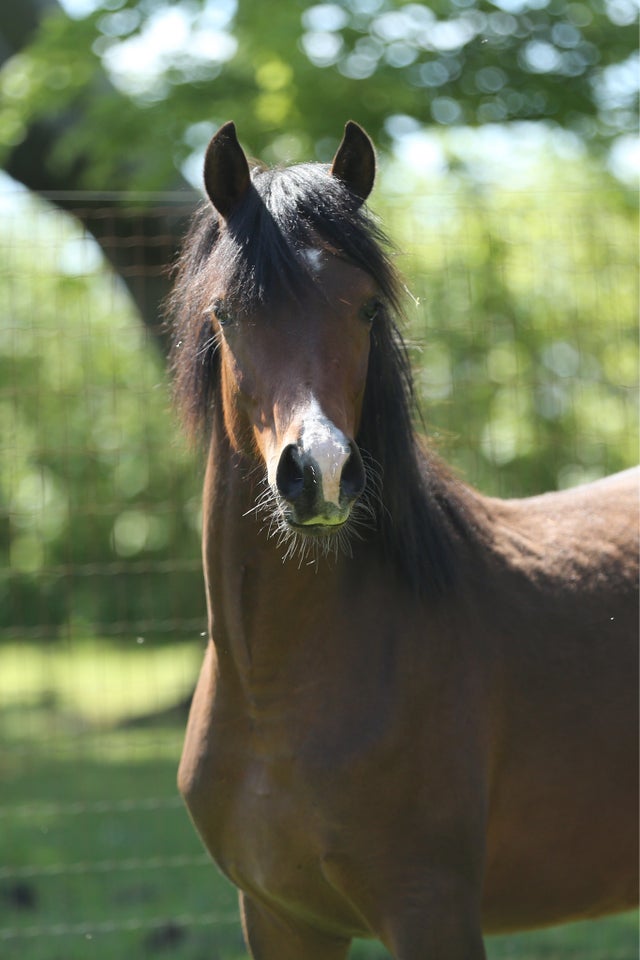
<point x="269" y="832"/>
<point x="260" y="839"/>
<point x="275" y="799"/>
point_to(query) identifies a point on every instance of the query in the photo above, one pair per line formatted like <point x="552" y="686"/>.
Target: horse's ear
<point x="226" y="171"/>
<point x="355" y="161"/>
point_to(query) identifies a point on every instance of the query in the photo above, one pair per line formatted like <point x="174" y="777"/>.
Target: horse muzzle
<point x="318" y="478"/>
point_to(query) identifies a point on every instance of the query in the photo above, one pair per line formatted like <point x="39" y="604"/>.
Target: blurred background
<point x="508" y="161"/>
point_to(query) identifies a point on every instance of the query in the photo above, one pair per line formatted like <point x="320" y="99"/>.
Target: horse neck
<point x="261" y="609"/>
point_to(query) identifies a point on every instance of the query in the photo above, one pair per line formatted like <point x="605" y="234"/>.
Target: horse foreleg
<point x="270" y="937"/>
<point x="433" y="942"/>
<point x="445" y="927"/>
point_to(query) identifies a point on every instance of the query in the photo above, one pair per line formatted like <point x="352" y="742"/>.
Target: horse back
<point x="582" y="541"/>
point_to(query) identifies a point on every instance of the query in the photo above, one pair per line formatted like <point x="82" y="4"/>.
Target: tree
<point x="45" y="150"/>
<point x="150" y="80"/>
<point x="75" y="114"/>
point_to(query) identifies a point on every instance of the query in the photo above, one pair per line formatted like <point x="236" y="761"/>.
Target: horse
<point x="416" y="717"/>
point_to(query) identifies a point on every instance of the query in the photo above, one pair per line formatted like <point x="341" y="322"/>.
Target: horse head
<point x="294" y="365"/>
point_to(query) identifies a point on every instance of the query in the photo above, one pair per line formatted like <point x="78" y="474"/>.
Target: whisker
<point x="204" y="350"/>
<point x="309" y="550"/>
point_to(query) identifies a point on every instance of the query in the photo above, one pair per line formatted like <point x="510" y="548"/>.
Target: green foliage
<point x="93" y="485"/>
<point x="291" y="73"/>
<point x="527" y="327"/>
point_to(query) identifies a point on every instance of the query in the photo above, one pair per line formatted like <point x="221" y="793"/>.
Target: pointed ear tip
<point x="226" y="132"/>
<point x="223" y="140"/>
<point x="351" y="127"/>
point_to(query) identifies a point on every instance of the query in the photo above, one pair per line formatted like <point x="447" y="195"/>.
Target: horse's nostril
<point x="290" y="473"/>
<point x="353" y="479"/>
<point x="310" y="486"/>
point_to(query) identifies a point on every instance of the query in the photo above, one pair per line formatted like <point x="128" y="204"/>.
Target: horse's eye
<point x="221" y="312"/>
<point x="370" y="310"/>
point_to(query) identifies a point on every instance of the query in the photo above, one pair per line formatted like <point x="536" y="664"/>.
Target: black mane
<point x="259" y="254"/>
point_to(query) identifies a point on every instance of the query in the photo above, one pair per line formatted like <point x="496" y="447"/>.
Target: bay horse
<point x="416" y="718"/>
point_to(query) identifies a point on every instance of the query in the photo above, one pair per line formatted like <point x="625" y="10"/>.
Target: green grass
<point x="97" y="856"/>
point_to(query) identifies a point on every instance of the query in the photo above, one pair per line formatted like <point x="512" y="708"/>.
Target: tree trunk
<point x="138" y="236"/>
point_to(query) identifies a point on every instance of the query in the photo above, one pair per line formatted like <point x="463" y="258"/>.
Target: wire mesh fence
<point x="521" y="321"/>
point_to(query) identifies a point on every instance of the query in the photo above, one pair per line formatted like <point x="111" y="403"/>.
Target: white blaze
<point x="330" y="450"/>
<point x="314" y="258"/>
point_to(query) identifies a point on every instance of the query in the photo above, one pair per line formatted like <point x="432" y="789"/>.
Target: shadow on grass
<point x="98" y="855"/>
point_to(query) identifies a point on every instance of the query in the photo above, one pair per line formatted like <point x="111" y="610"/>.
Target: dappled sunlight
<point x="98" y="683"/>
